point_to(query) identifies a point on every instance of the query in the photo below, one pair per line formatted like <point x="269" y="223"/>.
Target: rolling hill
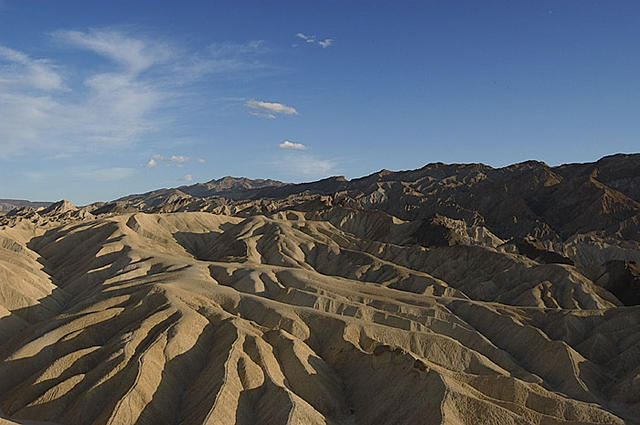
<point x="450" y="294"/>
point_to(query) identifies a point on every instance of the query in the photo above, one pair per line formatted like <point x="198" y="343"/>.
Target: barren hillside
<point x="451" y="294"/>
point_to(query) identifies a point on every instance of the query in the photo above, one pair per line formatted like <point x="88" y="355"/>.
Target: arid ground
<point x="450" y="294"/>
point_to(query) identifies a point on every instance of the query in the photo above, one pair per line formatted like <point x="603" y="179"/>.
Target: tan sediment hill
<point x="319" y="308"/>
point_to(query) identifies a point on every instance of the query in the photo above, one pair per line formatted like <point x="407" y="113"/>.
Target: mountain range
<point x="449" y="294"/>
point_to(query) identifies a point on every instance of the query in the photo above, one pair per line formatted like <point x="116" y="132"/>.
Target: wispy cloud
<point x="135" y="92"/>
<point x="269" y="109"/>
<point x="169" y="161"/>
<point x="226" y="59"/>
<point x="103" y="110"/>
<point x="201" y="161"/>
<point x="186" y="178"/>
<point x="307" y="38"/>
<point x="134" y="54"/>
<point x="18" y="70"/>
<point x="150" y="164"/>
<point x="292" y="145"/>
<point x="178" y="158"/>
<point x="311" y="39"/>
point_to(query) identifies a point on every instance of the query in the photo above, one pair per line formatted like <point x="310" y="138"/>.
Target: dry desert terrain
<point x="451" y="294"/>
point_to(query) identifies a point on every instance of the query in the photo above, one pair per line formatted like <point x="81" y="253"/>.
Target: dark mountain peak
<point x="230" y="183"/>
<point x="531" y="163"/>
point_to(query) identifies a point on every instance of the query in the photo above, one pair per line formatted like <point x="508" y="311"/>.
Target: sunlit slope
<point x="196" y="318"/>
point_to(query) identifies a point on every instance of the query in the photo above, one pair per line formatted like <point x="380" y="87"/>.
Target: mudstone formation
<point x="450" y="294"/>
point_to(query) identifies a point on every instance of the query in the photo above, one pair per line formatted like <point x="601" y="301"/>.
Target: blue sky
<point x="102" y="99"/>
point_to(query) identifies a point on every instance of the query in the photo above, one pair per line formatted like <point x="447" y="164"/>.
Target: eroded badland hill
<point x="450" y="294"/>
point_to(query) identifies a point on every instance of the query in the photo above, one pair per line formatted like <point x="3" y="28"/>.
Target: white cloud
<point x="18" y="69"/>
<point x="150" y="164"/>
<point x="136" y="55"/>
<point x="303" y="36"/>
<point x="178" y="158"/>
<point x="170" y="161"/>
<point x="103" y="110"/>
<point x="186" y="178"/>
<point x="307" y="38"/>
<point x="269" y="109"/>
<point x="201" y="160"/>
<point x="137" y="91"/>
<point x="311" y="39"/>
<point x="292" y="145"/>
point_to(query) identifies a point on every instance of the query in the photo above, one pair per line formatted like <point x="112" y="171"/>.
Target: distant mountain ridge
<point x="227" y="187"/>
<point x="9" y="204"/>
<point x="525" y="199"/>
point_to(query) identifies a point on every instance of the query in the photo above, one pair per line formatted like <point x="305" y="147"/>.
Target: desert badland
<point x="449" y="294"/>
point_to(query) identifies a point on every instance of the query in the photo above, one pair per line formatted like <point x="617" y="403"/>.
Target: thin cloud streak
<point x="269" y="109"/>
<point x="171" y="161"/>
<point x="225" y="60"/>
<point x="292" y="145"/>
<point x="136" y="55"/>
<point x="18" y="69"/>
<point x="311" y="39"/>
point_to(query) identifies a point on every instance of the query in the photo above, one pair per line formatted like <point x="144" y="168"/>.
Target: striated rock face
<point x="398" y="298"/>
